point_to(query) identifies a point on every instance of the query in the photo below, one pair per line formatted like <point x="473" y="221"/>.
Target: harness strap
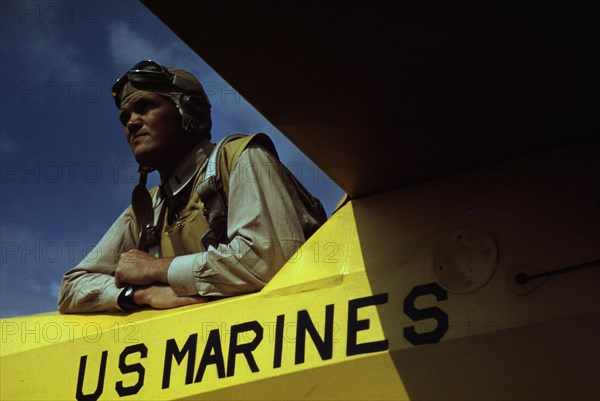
<point x="210" y="192"/>
<point x="214" y="196"/>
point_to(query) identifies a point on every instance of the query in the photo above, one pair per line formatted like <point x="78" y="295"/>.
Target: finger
<point x="119" y="282"/>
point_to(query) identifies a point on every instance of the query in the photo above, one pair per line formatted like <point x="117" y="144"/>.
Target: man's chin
<point x="144" y="159"/>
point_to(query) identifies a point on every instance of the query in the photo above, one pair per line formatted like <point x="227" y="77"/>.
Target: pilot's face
<point x="153" y="130"/>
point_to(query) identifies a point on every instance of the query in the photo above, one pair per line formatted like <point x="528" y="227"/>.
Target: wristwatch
<point x="125" y="299"/>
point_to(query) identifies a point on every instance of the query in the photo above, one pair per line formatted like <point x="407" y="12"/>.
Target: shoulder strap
<point x="213" y="170"/>
<point x="213" y="192"/>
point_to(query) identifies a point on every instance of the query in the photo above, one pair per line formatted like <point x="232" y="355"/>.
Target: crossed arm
<point x="149" y="277"/>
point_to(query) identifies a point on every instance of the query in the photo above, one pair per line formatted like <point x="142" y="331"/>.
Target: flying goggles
<point x="151" y="76"/>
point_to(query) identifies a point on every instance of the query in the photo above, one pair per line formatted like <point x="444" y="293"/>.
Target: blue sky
<point x="66" y="172"/>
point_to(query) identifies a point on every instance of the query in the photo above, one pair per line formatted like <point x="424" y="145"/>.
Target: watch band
<point x="125" y="299"/>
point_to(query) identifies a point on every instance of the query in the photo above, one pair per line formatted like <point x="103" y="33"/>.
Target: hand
<point x="136" y="267"/>
<point x="163" y="297"/>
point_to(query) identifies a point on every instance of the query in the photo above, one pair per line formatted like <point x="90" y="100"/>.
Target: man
<point x="162" y="252"/>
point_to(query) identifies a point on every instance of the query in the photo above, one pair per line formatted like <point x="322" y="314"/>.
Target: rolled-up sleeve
<point x="266" y="225"/>
<point x="90" y="286"/>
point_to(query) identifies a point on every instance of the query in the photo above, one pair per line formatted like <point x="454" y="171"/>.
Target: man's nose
<point x="134" y="124"/>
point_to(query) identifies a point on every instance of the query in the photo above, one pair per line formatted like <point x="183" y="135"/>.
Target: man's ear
<point x="195" y="112"/>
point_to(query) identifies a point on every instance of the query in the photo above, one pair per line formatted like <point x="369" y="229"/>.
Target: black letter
<point x="213" y="343"/>
<point x="173" y="351"/>
<point x="324" y="346"/>
<point x="278" y="341"/>
<point x="355" y="325"/>
<point x="136" y="367"/>
<point x="99" y="388"/>
<point x="246" y="349"/>
<point x="428" y="313"/>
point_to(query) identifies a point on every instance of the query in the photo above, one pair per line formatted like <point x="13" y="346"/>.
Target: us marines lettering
<point x="225" y="358"/>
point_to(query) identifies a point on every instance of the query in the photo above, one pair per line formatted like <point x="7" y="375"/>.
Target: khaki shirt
<point x="266" y="224"/>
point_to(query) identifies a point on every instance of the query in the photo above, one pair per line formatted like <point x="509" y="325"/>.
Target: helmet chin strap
<point x="145" y="171"/>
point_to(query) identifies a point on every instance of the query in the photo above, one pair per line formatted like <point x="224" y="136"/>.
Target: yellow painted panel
<point x="361" y="312"/>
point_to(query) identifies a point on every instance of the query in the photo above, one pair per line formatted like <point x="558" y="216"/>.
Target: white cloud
<point x="39" y="46"/>
<point x="128" y="45"/>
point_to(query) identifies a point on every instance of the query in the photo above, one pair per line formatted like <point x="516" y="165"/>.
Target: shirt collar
<point x="189" y="166"/>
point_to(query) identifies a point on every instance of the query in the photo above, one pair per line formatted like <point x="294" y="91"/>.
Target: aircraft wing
<point x="393" y="93"/>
